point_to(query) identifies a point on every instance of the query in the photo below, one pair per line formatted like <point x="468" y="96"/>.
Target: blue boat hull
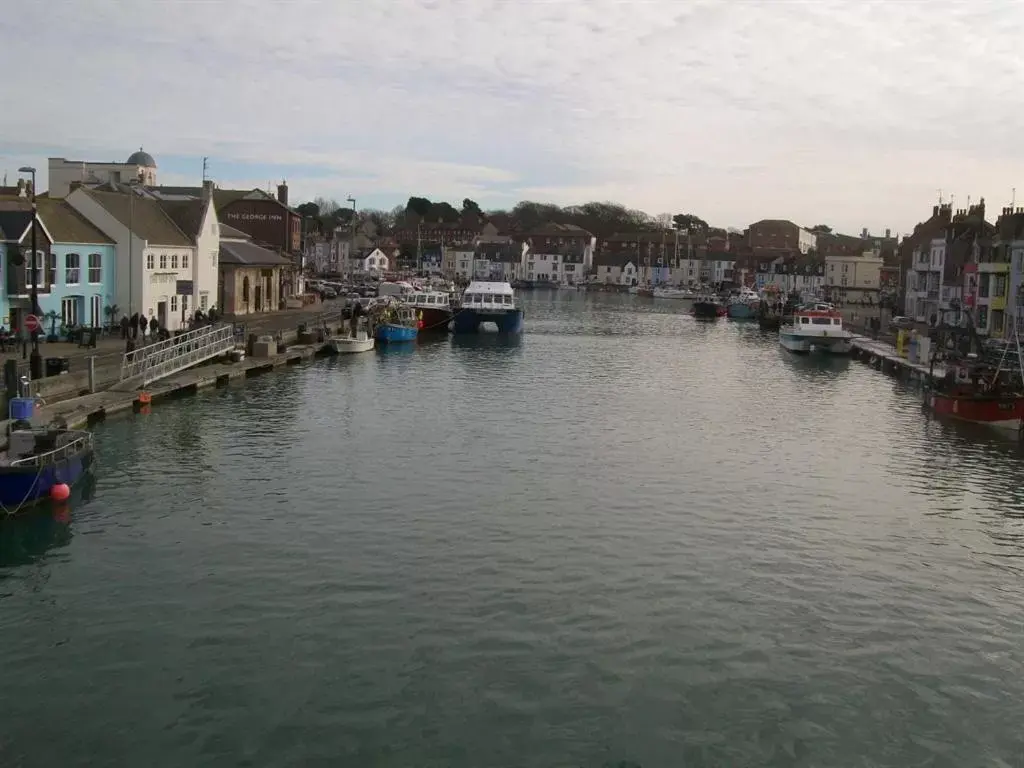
<point x="469" y="321"/>
<point x="740" y="311"/>
<point x="388" y="333"/>
<point x="22" y="486"/>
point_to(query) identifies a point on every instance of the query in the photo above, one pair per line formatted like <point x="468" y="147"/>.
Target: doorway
<point x="161" y="313"/>
<point x="259" y="297"/>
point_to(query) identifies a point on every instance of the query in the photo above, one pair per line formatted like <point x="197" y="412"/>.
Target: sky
<point x="847" y="113"/>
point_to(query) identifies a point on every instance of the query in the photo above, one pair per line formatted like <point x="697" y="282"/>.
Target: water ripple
<point x="627" y="538"/>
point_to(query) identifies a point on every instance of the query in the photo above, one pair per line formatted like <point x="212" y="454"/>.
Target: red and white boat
<point x="979" y="393"/>
<point x="816" y="327"/>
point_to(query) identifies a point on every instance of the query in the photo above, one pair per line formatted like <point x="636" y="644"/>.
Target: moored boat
<point x="394" y="322"/>
<point x="344" y="345"/>
<point x="816" y="327"/>
<point x="745" y="305"/>
<point x="434" y="307"/>
<point x="488" y="302"/>
<point x="676" y="294"/>
<point x="37" y="459"/>
<point x="708" y="307"/>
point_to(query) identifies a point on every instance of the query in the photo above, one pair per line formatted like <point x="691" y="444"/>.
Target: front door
<point x="259" y="297"/>
<point x="161" y="313"/>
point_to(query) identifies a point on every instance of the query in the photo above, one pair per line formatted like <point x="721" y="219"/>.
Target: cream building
<point x="63" y="173"/>
<point x="854" y="278"/>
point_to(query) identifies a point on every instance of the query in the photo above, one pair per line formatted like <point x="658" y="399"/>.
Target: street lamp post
<point x="35" y="363"/>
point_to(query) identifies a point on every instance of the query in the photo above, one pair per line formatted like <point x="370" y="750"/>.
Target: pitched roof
<point x="232" y="233"/>
<point x="67" y="225"/>
<point x="15" y="217"/>
<point x="249" y="255"/>
<point x="146" y="218"/>
<point x="187" y="215"/>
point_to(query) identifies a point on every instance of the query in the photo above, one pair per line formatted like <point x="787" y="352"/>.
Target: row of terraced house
<point x="956" y="260"/>
<point x="111" y="242"/>
<point x="770" y="252"/>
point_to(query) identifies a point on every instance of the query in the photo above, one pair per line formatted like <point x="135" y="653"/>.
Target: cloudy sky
<point x="847" y="113"/>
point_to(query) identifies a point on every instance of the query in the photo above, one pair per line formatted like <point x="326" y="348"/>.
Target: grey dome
<point x="142" y="158"/>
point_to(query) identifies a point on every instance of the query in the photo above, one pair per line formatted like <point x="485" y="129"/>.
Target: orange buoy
<point x="60" y="492"/>
<point x="145" y="398"/>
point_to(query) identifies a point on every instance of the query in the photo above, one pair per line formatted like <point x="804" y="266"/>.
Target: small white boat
<point x="344" y="345"/>
<point x="667" y="292"/>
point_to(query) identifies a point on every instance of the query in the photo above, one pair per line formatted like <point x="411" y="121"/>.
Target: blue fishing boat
<point x="745" y="305"/>
<point x="488" y="302"/>
<point x="395" y="322"/>
<point x="38" y="458"/>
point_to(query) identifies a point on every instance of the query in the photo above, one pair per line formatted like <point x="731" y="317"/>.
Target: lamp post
<point x="352" y="246"/>
<point x="35" y="363"/>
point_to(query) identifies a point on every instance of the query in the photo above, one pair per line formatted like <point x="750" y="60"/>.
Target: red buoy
<point x="60" y="492"/>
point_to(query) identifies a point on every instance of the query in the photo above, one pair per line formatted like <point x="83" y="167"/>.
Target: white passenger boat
<point x="344" y="345"/>
<point x="816" y="327"/>
<point x="677" y="294"/>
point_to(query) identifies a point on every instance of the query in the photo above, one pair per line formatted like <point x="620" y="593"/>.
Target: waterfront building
<point x="854" y="277"/>
<point x="559" y="253"/>
<point x="500" y="261"/>
<point x="790" y="272"/>
<point x="250" y="275"/>
<point x="16" y="224"/>
<point x="162" y="271"/>
<point x="780" y="234"/>
<point x="80" y="269"/>
<point x="371" y="262"/>
<point x="615" y="266"/>
<point x="921" y="257"/>
<point x="1009" y="239"/>
<point x="458" y="260"/>
<point x="64" y="174"/>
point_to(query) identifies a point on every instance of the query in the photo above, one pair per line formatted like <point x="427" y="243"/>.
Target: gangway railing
<point x="165" y="358"/>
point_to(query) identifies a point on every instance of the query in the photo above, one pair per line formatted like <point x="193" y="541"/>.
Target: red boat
<point x="975" y="390"/>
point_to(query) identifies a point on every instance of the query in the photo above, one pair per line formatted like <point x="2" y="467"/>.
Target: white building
<point x="458" y="260"/>
<point x="805" y="240"/>
<point x="167" y="252"/>
<point x="924" y="279"/>
<point x="855" y="278"/>
<point x="140" y="167"/>
<point x="373" y="262"/>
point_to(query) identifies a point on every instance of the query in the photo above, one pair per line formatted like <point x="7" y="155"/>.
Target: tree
<point x="419" y="206"/>
<point x="309" y="210"/>
<point x="690" y="222"/>
<point x="821" y="229"/>
<point x="326" y="206"/>
<point x="470" y="207"/>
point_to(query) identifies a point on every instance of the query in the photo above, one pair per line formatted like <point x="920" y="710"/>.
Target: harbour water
<point x="629" y="537"/>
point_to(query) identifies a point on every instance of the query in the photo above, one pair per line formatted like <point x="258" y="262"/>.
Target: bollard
<point x="92" y="374"/>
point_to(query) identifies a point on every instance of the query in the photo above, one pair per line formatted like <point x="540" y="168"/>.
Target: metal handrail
<point x="165" y="357"/>
<point x="57" y="454"/>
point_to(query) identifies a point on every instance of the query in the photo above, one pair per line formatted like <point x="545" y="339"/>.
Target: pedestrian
<point x="154" y="326"/>
<point x="124" y="326"/>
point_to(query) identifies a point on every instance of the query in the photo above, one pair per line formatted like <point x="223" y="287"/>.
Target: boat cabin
<point x="493" y="296"/>
<point x="429" y="299"/>
<point x="817" y="316"/>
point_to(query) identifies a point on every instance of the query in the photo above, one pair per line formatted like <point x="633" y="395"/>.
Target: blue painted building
<point x="81" y="269"/>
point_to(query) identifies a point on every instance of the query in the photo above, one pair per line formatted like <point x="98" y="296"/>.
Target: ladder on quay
<point x="156" y="361"/>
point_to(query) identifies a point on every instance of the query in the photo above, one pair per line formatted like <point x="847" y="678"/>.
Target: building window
<point x="174" y="303"/>
<point x="149" y="261"/>
<point x="184" y="261"/>
<point x="184" y="303"/>
<point x="28" y="265"/>
<point x="174" y="261"/>
<point x="96" y="311"/>
<point x="51" y="268"/>
<point x="72" y="269"/>
<point x="983" y="317"/>
<point x="983" y="286"/>
<point x="204" y="300"/>
<point x="95" y="268"/>
<point x="163" y="261"/>
<point x="69" y="311"/>
<point x="1000" y="289"/>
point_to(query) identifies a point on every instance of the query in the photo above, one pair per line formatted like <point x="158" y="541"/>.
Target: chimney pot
<point x="935" y="210"/>
<point x="207" y="189"/>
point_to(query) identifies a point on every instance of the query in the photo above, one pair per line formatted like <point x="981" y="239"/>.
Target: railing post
<point x="92" y="373"/>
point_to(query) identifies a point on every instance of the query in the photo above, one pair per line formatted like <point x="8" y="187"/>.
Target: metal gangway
<point x="156" y="361"/>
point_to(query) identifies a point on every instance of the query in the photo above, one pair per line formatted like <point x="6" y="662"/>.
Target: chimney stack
<point x="282" y="192"/>
<point x="207" y="189"/>
<point x="935" y="210"/>
<point x="888" y="234"/>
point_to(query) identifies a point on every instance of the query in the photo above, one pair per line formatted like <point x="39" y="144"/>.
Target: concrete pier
<point x="884" y="357"/>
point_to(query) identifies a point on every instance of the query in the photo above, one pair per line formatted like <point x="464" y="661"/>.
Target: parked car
<point x="899" y="322"/>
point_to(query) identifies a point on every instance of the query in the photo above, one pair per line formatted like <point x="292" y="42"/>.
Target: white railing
<point x="155" y="361"/>
<point x="57" y="454"/>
